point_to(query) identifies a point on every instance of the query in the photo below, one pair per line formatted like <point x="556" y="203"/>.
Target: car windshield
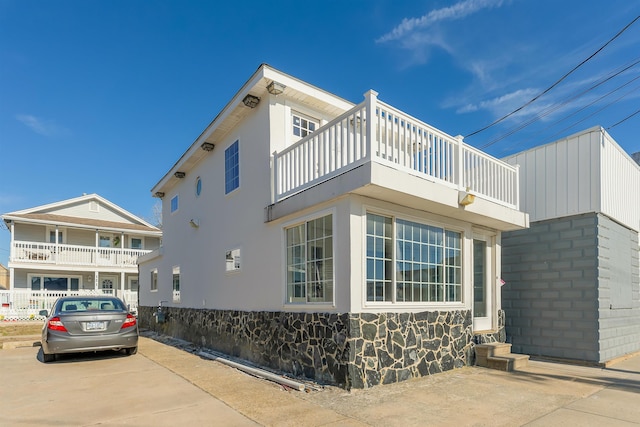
<point x="89" y="304"/>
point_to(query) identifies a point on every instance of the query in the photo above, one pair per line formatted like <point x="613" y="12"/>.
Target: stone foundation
<point x="353" y="350"/>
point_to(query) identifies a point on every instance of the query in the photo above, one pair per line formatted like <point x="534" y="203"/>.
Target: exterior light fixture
<point x="159" y="194"/>
<point x="275" y="88"/>
<point x="207" y="146"/>
<point x="465" y="198"/>
<point x="195" y="223"/>
<point x="179" y="175"/>
<point x="251" y="101"/>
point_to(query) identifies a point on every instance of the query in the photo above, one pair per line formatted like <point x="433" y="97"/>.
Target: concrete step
<point x="508" y="362"/>
<point x="483" y="351"/>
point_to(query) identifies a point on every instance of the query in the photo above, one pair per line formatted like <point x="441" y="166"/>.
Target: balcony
<point x="374" y="132"/>
<point x="73" y="255"/>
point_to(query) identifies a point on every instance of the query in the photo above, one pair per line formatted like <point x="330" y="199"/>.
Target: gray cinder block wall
<point x="572" y="289"/>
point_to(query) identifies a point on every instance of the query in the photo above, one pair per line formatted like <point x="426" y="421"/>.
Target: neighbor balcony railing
<point x="25" y="304"/>
<point x="74" y="255"/>
<point x="376" y="132"/>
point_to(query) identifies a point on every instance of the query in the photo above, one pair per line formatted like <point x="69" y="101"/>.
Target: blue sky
<point x="104" y="96"/>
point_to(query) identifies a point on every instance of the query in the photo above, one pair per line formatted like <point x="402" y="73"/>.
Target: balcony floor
<point x="382" y="182"/>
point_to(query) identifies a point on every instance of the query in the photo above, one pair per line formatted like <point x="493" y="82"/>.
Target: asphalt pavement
<point x="166" y="385"/>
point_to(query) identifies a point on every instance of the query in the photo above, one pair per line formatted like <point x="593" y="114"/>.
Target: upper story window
<point x="425" y="267"/>
<point x="136" y="243"/>
<point x="303" y="125"/>
<point x="231" y="168"/>
<point x="174" y="203"/>
<point x="52" y="236"/>
<point x="104" y="241"/>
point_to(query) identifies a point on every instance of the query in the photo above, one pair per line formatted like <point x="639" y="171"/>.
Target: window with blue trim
<point x="231" y="168"/>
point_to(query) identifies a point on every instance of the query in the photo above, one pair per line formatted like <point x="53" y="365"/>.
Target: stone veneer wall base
<point x="352" y="350"/>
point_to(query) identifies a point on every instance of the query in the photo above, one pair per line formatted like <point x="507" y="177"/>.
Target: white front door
<point x="483" y="286"/>
<point x="108" y="284"/>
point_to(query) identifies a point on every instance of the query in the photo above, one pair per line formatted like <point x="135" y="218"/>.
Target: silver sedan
<point x="79" y="324"/>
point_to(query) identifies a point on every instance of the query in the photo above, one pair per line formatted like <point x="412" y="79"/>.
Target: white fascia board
<point x="86" y="197"/>
<point x="301" y="86"/>
<point x="18" y="219"/>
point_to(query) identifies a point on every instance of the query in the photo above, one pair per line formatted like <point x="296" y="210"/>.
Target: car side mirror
<point x="44" y="313"/>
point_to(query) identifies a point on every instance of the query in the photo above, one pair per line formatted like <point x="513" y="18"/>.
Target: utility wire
<point x="623" y="120"/>
<point x="557" y="82"/>
<point x="557" y="106"/>
<point x="524" y="142"/>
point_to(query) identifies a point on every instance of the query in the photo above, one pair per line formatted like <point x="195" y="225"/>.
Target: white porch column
<point x="121" y="282"/>
<point x="12" y="250"/>
<point x="371" y="100"/>
<point x="11" y="278"/>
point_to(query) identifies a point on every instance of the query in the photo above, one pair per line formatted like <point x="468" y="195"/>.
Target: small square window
<point x="232" y="259"/>
<point x="303" y="126"/>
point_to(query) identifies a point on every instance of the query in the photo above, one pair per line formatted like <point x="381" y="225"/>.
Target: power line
<point x="557" y="82"/>
<point x="573" y="97"/>
<point x="623" y="120"/>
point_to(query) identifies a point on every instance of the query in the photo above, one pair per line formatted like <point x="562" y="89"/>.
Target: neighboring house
<point x="85" y="243"/>
<point x="4" y="277"/>
<point x="572" y="280"/>
<point x="352" y="244"/>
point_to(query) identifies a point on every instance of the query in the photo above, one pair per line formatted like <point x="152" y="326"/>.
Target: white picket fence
<point x="25" y="304"/>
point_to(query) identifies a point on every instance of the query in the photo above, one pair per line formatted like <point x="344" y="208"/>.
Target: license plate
<point x="94" y="326"/>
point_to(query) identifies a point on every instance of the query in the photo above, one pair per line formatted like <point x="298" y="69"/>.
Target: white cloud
<point x="502" y="104"/>
<point x="41" y="126"/>
<point x="451" y="13"/>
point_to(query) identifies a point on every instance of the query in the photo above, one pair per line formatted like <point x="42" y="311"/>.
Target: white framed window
<point x="309" y="252"/>
<point x="154" y="280"/>
<point x="174" y="203"/>
<point x="232" y="260"/>
<point x="135" y="243"/>
<point x="54" y="283"/>
<point x="51" y="235"/>
<point x="176" y="284"/>
<point x="133" y="283"/>
<point x="407" y="261"/>
<point x="303" y="125"/>
<point x="232" y="167"/>
<point x="104" y="240"/>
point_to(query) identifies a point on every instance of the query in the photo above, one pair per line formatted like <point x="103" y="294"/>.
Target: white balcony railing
<point x="74" y="255"/>
<point x="25" y="304"/>
<point x="375" y="131"/>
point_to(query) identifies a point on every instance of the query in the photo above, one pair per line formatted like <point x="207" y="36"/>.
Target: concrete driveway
<point x="87" y="390"/>
<point x="165" y="385"/>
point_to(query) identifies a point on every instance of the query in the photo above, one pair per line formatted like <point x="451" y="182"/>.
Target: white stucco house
<point x="79" y="244"/>
<point x="349" y="243"/>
